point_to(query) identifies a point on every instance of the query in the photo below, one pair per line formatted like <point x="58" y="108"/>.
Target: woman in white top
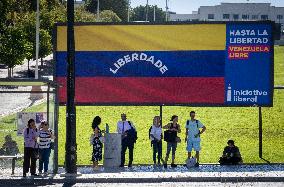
<point x="44" y="141"/>
<point x="156" y="139"/>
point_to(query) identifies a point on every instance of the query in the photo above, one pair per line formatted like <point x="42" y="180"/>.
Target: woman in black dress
<point x="95" y="140"/>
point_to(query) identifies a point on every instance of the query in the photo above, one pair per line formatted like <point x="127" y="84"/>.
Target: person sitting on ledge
<point x="10" y="146"/>
<point x="231" y="154"/>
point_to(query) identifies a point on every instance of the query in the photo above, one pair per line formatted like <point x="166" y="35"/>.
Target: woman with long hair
<point x="95" y="140"/>
<point x="174" y="128"/>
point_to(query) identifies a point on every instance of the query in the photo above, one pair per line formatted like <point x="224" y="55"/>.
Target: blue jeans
<point x="44" y="159"/>
<point x="171" y="146"/>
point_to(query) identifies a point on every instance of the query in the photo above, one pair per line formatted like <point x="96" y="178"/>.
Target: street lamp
<point x="147" y="5"/>
<point x="167" y="10"/>
<point x="35" y="96"/>
<point x="37" y="38"/>
<point x="128" y="11"/>
<point x="98" y="10"/>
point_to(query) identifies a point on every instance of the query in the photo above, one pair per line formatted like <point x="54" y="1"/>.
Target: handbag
<point x="178" y="140"/>
<point x="131" y="134"/>
<point x="102" y="139"/>
<point x="169" y="136"/>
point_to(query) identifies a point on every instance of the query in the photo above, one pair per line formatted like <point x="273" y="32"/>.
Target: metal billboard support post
<point x="70" y="147"/>
<point x="260" y="131"/>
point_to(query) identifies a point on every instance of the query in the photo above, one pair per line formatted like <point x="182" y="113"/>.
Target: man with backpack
<point x="128" y="138"/>
<point x="192" y="136"/>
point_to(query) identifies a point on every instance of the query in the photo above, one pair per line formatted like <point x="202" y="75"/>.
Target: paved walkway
<point x="150" y="174"/>
<point x="15" y="102"/>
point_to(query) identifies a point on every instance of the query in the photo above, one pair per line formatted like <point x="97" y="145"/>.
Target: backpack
<point x="150" y="129"/>
<point x="28" y="130"/>
<point x="190" y="162"/>
<point x="131" y="134"/>
<point x="187" y="123"/>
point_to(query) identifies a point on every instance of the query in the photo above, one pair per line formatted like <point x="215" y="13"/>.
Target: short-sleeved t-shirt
<point x="193" y="129"/>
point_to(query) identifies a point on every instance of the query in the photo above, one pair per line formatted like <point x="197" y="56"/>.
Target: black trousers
<point x="157" y="148"/>
<point x="124" y="146"/>
<point x="29" y="160"/>
<point x="229" y="160"/>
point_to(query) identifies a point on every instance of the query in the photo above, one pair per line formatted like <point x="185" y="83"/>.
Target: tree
<point x="49" y="17"/>
<point x="3" y="14"/>
<point x="109" y="16"/>
<point x="13" y="47"/>
<point x="45" y="46"/>
<point x="139" y="14"/>
<point x="117" y="6"/>
<point x="81" y="15"/>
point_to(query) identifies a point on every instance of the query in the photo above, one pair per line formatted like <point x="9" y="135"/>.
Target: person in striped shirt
<point x="44" y="141"/>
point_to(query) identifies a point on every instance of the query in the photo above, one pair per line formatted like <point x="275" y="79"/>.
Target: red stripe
<point x="174" y="90"/>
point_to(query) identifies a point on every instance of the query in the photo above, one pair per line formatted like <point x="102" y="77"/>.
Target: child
<point x="156" y="138"/>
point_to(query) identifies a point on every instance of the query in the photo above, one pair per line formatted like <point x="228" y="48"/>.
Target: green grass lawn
<point x="223" y="123"/>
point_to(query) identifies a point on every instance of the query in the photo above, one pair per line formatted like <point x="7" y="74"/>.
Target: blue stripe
<point x="170" y="64"/>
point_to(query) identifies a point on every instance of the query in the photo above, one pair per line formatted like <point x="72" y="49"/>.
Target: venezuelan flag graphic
<point x="179" y="64"/>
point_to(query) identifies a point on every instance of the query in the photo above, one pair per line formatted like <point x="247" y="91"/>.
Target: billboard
<point x="24" y="117"/>
<point x="200" y="64"/>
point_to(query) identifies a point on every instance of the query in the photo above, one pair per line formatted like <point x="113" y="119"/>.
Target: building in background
<point x="79" y="3"/>
<point x="234" y="12"/>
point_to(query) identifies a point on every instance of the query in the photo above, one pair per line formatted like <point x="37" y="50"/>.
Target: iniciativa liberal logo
<point x="234" y="95"/>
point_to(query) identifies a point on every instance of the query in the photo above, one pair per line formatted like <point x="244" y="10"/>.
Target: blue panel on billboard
<point x="249" y="64"/>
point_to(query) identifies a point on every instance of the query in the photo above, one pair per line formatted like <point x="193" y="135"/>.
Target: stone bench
<point x="13" y="158"/>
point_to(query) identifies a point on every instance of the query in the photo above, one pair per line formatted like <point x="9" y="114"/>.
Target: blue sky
<point x="187" y="6"/>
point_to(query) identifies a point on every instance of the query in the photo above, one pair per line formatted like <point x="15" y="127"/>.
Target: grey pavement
<point x="152" y="175"/>
<point x="15" y="102"/>
<point x="176" y="184"/>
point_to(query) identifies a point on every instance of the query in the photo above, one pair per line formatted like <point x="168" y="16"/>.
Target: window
<point x="226" y="16"/>
<point x="210" y="16"/>
<point x="236" y="16"/>
<point x="254" y="17"/>
<point x="279" y="16"/>
<point x="245" y="16"/>
<point x="264" y="17"/>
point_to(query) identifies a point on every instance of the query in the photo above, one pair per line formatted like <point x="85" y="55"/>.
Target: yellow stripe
<point x="145" y="37"/>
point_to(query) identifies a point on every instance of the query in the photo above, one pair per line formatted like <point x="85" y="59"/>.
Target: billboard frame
<point x="272" y="23"/>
